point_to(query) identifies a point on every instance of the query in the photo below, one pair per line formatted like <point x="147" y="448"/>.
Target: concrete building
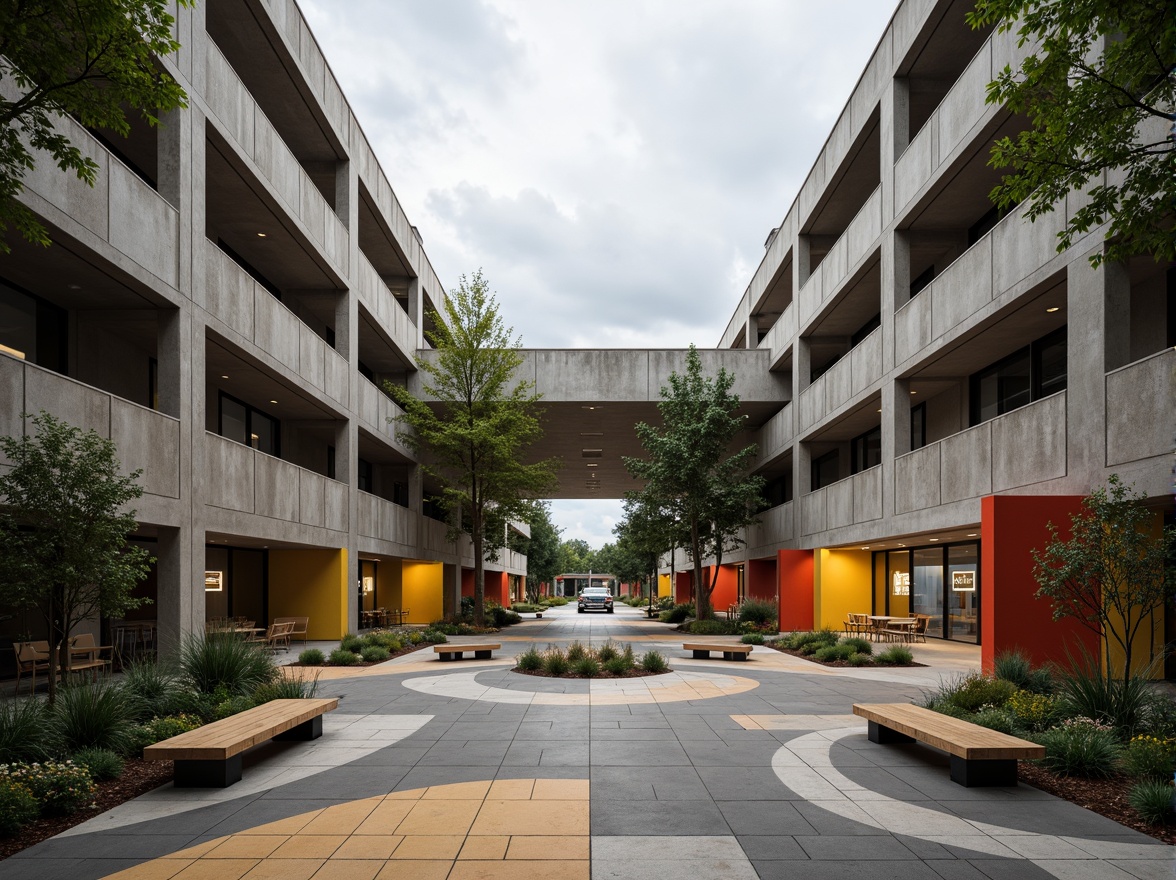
<point x="928" y="382"/>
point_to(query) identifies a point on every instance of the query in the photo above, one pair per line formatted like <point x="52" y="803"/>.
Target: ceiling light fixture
<point x="914" y="392"/>
<point x="593" y="464"/>
<point x="1052" y="309"/>
<point x="261" y="235"/>
<point x="273" y="401"/>
<point x="971" y="534"/>
<point x="74" y="286"/>
<point x="934" y="539"/>
<point x="223" y="376"/>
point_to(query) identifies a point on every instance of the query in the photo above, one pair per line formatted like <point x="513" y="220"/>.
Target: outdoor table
<point x="878" y="622"/>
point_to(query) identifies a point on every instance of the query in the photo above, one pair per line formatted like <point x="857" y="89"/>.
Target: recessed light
<point x="74" y="286"/>
<point x="224" y="376"/>
<point x="934" y="539"/>
<point x="1052" y="309"/>
<point x="590" y="407"/>
<point x="902" y="545"/>
<point x="273" y="401"/>
<point x="865" y="548"/>
<point x="971" y="534"/>
<point x="593" y="464"/>
<point x="879" y="410"/>
<point x="914" y="392"/>
<point x="261" y="235"/>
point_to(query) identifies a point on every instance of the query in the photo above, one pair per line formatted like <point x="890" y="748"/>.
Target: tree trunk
<point x="479" y="572"/>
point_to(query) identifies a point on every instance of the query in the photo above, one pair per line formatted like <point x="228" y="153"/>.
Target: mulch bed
<point x="1107" y="797"/>
<point x="632" y="673"/>
<point x="840" y="663"/>
<point x="138" y="777"/>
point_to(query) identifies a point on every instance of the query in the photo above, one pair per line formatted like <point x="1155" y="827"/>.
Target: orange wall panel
<point x="726" y="590"/>
<point x="761" y="579"/>
<point x="795" y="569"/>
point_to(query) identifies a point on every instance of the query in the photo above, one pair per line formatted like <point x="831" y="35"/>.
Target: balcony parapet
<point x="1139" y="422"/>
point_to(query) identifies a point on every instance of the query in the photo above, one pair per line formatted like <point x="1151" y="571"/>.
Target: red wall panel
<point x="795" y="568"/>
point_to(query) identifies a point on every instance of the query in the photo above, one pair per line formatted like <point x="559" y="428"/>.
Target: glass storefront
<point x="942" y="582"/>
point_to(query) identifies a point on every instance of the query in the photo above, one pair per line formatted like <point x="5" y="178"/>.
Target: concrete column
<point x="801" y="266"/>
<point x="346" y="194"/>
<point x="1116" y="313"/>
<point x="178" y="613"/>
<point x="1098" y="327"/>
<point x="416" y="489"/>
<point x="172" y="364"/>
<point x="802" y="367"/>
<point x="416" y="306"/>
<point x="451" y="589"/>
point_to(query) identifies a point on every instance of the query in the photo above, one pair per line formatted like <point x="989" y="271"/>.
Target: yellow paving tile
<point x="160" y="869"/>
<point x="458" y="791"/>
<point x="310" y="846"/>
<point x="285" y="869"/>
<point x="522" y="817"/>
<point x="547" y="848"/>
<point x="283" y="826"/>
<point x="441" y="817"/>
<point x="368" y="846"/>
<point x="424" y="870"/>
<point x="385" y="818"/>
<point x="551" y="870"/>
<point x="349" y="869"/>
<point x="560" y="790"/>
<point x="412" y="794"/>
<point x="342" y="818"/>
<point x="217" y="869"/>
<point x="488" y="847"/>
<point x="195" y="852"/>
<point x="434" y="846"/>
<point x="247" y="846"/>
<point x="511" y="789"/>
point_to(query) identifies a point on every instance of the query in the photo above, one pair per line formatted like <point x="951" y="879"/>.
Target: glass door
<point x="963" y="593"/>
<point x="927" y="588"/>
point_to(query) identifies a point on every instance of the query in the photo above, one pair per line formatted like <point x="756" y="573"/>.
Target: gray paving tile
<point x="658" y="818"/>
<point x="835" y="847"/>
<point x="844" y="870"/>
<point x="1019" y="869"/>
<point x="756" y="818"/>
<point x="771" y="847"/>
<point x="52" y="869"/>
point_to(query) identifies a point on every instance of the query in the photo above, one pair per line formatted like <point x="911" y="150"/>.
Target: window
<point x="825" y="469"/>
<point x="400" y="494"/>
<point x="865" y="451"/>
<point x="365" y="476"/>
<point x="924" y="278"/>
<point x="244" y="424"/>
<point x="918" y="426"/>
<point x="1028" y="374"/>
<point x="778" y="490"/>
<point x="331" y="462"/>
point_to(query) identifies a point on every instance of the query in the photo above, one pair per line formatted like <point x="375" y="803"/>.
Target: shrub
<point x="678" y="613"/>
<point x="555" y="662"/>
<point x="1080" y="749"/>
<point x="895" y="655"/>
<point x="576" y="652"/>
<point x="93" y="715"/>
<point x="102" y="763"/>
<point x="607" y="651"/>
<point x="159" y="729"/>
<point x="1033" y="711"/>
<point x="618" y="665"/>
<point x="25" y="731"/>
<point x="859" y="645"/>
<point x="809" y="642"/>
<point x="17" y="807"/>
<point x="1015" y="666"/>
<point x="288" y="687"/>
<point x="343" y="657"/>
<point x="525" y="608"/>
<point x="996" y="719"/>
<point x="59" y="787"/>
<point x="652" y="661"/>
<point x="530" y="660"/>
<point x="1150" y="757"/>
<point x="434" y="637"/>
<point x="1159" y="717"/>
<point x="759" y="611"/>
<point x="974" y="691"/>
<point x="311" y="657"/>
<point x="1152" y="799"/>
<point x="713" y="627"/>
<point x="374" y="654"/>
<point x="501" y="617"/>
<point x="753" y="639"/>
<point x="232" y="705"/>
<point x="212" y="661"/>
<point x="153" y="687"/>
<point x="831" y="653"/>
<point x="860" y="660"/>
<point x="627" y="654"/>
<point x="587" y="666"/>
<point x="1121" y="704"/>
<point x="352" y="643"/>
<point x="415" y="638"/>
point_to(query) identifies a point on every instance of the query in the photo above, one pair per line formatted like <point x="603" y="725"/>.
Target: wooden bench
<point x="454" y="652"/>
<point x="210" y="756"/>
<point x="979" y="756"/>
<point x="702" y="650"/>
<point x="653" y="612"/>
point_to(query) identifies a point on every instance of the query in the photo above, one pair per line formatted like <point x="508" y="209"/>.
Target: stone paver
<point x="718" y="770"/>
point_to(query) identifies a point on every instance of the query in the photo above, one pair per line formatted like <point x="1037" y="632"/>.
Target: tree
<point x="1099" y="91"/>
<point x="474" y="422"/>
<point x="574" y="555"/>
<point x="689" y="474"/>
<point x="91" y="60"/>
<point x="1110" y="574"/>
<point x="543" y="553"/>
<point x="64" y="528"/>
<point x="645" y="533"/>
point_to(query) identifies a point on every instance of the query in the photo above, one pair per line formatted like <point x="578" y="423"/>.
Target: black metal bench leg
<point x="450" y="655"/>
<point x="482" y="655"/>
<point x="208" y="774"/>
<point x="702" y="655"/>
<point x="879" y="733"/>
<point x="973" y="774"/>
<point x="307" y="730"/>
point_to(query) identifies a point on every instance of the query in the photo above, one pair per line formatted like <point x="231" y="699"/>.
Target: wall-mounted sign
<point x="902" y="583"/>
<point x="369" y="584"/>
<point x="214" y="581"/>
<point x="963" y="581"/>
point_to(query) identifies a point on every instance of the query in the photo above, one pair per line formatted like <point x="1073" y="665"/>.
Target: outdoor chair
<point x="301" y="624"/>
<point x="31" y="657"/>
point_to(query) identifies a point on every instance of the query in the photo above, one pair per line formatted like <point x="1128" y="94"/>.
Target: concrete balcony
<point x="1139" y="409"/>
<point x="780" y="338"/>
<point x="857" y="371"/>
<point x="242" y="479"/>
<point x="775" y="436"/>
<point x="776" y="527"/>
<point x="1020" y="448"/>
<point x="144" y="439"/>
<point x="374" y="410"/>
<point x="855" y="499"/>
<point x="388" y="522"/>
<point x="382" y="305"/>
<point x="244" y="125"/>
<point x="259" y="321"/>
<point x="854" y="244"/>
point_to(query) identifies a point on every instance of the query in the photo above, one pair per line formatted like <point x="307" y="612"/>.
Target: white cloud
<point x="591" y="520"/>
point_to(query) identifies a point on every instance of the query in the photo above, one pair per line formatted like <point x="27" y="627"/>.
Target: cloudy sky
<point x="613" y="166"/>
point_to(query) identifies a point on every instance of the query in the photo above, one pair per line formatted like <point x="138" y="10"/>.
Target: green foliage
<point x="311" y="657"/>
<point x="607" y="651"/>
<point x="525" y="608"/>
<point x="587" y="666"/>
<point x="504" y="617"/>
<point x="860" y="660"/>
<point x="214" y="660"/>
<point x="286" y="687"/>
<point x="809" y="642"/>
<point x="374" y="654"/>
<point x="1124" y="705"/>
<point x="654" y="662"/>
<point x="859" y="645"/>
<point x="1098" y="91"/>
<point x="231" y="705"/>
<point x="678" y="613"/>
<point x="1111" y="574"/>
<point x="712" y="627"/>
<point x="996" y="719"/>
<point x="17" y="806"/>
<point x="152" y="687"/>
<point x="530" y="660"/>
<point x="93" y="716"/>
<point x="352" y="643"/>
<point x="64" y="526"/>
<point x="103" y="764"/>
<point x="618" y="665"/>
<point x="1159" y="717"/>
<point x="59" y="787"/>
<point x="555" y="661"/>
<point x="752" y="639"/>
<point x="1015" y="666"/>
<point x="973" y="691"/>
<point x="473" y="435"/>
<point x="433" y="637"/>
<point x="895" y="655"/>
<point x="25" y="731"/>
<point x="543" y="551"/>
<point x="87" y="60"/>
<point x="1152" y="799"/>
<point x="759" y="611"/>
<point x="1034" y="712"/>
<point x="1080" y="749"/>
<point x="576" y="652"/>
<point x="159" y="729"/>
<point x="690" y="478"/>
<point x="831" y="653"/>
<point x="341" y="657"/>
<point x="1150" y="757"/>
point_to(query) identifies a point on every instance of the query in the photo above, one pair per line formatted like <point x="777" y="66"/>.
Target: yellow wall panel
<point x="843" y="585"/>
<point x="390" y="583"/>
<point x="422" y="591"/>
<point x="310" y="583"/>
<point x="663" y="585"/>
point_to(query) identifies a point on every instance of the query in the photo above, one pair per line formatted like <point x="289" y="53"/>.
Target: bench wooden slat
<point x="230" y="736"/>
<point x="953" y="735"/>
<point x="702" y="646"/>
<point x="450" y="648"/>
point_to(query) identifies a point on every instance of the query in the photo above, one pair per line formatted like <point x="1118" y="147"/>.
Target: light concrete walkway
<point x="720" y="770"/>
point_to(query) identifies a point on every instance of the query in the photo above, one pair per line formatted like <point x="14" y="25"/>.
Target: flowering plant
<point x="59" y="787"/>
